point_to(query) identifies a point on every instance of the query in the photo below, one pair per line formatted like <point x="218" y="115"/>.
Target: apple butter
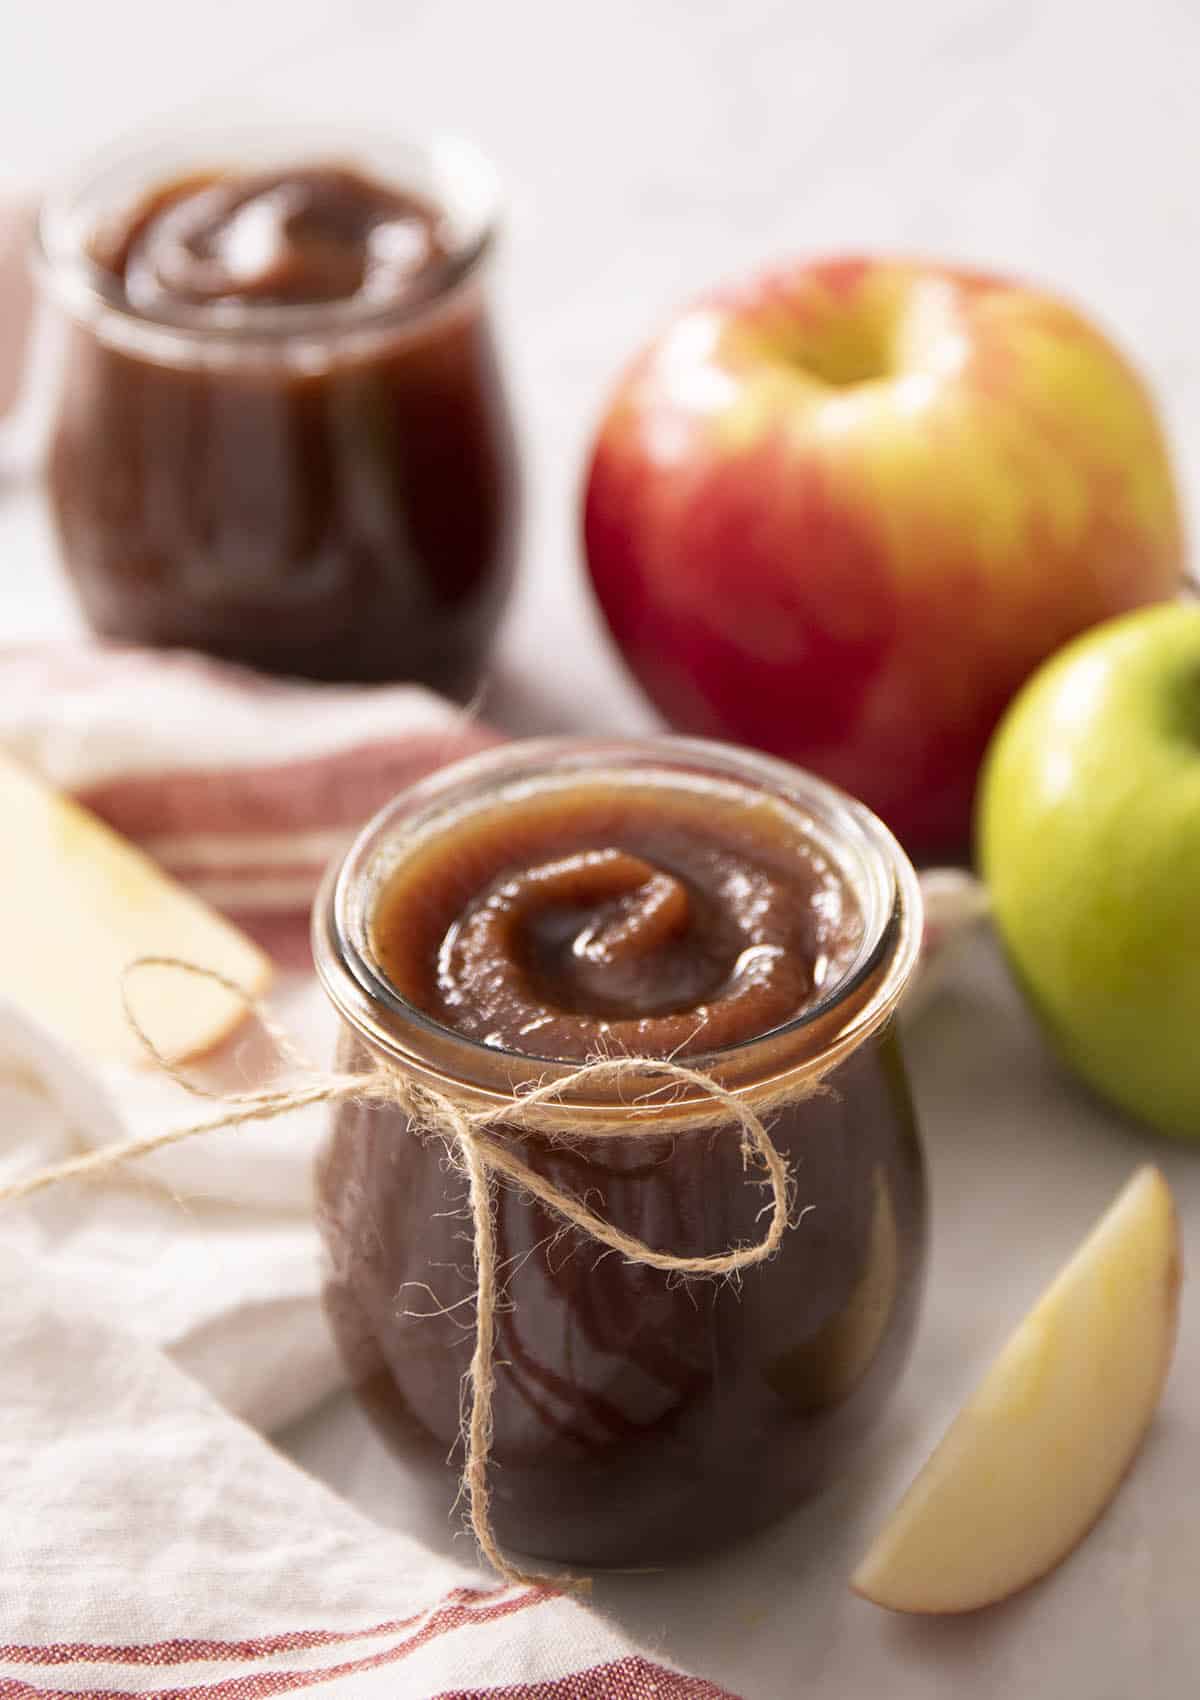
<point x="647" y="920"/>
<point x="546" y="904"/>
<point x="283" y="436"/>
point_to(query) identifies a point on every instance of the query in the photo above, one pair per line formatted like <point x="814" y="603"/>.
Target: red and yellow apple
<point x="842" y="512"/>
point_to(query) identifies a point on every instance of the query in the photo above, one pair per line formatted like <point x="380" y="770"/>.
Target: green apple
<point x="1089" y="838"/>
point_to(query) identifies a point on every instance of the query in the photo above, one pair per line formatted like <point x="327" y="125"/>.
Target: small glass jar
<point x="638" y="1417"/>
<point x="326" y="489"/>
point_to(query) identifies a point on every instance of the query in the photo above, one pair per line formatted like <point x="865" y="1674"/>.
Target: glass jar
<point x="638" y="1417"/>
<point x="326" y="489"/>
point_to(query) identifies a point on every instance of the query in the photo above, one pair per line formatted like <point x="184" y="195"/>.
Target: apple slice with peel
<point x="1038" y="1451"/>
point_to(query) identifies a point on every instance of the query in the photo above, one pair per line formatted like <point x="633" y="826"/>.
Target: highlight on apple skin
<point x="842" y="512"/>
<point x="1040" y="1448"/>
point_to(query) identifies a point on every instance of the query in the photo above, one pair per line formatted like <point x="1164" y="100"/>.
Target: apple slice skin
<point x="1024" y="1472"/>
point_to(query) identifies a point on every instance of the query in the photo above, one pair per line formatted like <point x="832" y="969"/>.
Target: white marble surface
<point x="651" y="146"/>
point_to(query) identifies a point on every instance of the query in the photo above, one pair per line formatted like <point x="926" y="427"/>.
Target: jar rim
<point x="454" y="174"/>
<point x="867" y="991"/>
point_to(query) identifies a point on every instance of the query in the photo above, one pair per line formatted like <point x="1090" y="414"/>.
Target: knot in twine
<point x="468" y="1134"/>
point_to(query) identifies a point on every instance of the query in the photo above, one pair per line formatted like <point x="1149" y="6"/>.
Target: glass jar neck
<point x="790" y="1056"/>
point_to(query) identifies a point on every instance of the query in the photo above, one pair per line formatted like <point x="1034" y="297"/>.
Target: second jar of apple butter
<point x="283" y="436"/>
<point x="497" y="926"/>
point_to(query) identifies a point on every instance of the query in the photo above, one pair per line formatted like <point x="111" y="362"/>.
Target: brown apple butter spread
<point x="623" y="919"/>
<point x="551" y="903"/>
<point x="283" y="435"/>
<point x="316" y="233"/>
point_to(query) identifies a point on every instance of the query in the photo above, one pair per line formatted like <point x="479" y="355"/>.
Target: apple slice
<point x="78" y="904"/>
<point x="1038" y="1451"/>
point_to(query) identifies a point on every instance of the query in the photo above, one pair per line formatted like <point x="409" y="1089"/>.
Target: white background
<point x="649" y="147"/>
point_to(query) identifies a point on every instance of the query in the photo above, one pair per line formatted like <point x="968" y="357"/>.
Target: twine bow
<point x="469" y="1137"/>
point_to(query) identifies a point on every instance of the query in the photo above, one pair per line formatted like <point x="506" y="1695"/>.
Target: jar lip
<point x="892" y="913"/>
<point x="455" y="175"/>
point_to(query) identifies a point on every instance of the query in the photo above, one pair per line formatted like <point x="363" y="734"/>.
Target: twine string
<point x="484" y="1159"/>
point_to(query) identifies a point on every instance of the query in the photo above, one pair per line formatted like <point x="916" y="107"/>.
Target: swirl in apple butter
<point x="623" y="919"/>
<point x="311" y="234"/>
